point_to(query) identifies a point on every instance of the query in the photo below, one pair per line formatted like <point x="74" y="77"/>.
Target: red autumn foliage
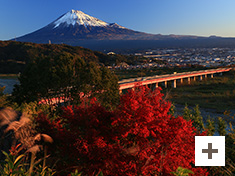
<point x="140" y="137"/>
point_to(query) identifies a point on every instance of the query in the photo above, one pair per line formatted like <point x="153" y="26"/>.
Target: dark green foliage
<point x="14" y="56"/>
<point x="68" y="77"/>
<point x="210" y="126"/>
<point x="187" y="113"/>
<point x="221" y="127"/>
<point x="197" y="119"/>
<point x="3" y="98"/>
<point x="172" y="109"/>
<point x="230" y="151"/>
<point x="195" y="116"/>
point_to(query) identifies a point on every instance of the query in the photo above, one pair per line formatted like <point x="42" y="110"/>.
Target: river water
<point x="9" y="84"/>
<point x="205" y="112"/>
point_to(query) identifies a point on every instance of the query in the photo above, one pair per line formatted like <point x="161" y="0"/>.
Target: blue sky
<point x="184" y="17"/>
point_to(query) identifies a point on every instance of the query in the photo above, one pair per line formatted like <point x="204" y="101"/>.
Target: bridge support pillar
<point x="156" y="85"/>
<point x="200" y="78"/>
<point x="188" y="80"/>
<point x="174" y="83"/>
<point x="194" y="78"/>
<point x="212" y="75"/>
<point x="181" y="80"/>
<point x="205" y="76"/>
<point x="120" y="91"/>
<point x="165" y="83"/>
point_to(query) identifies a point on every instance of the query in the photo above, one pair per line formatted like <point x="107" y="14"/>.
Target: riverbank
<point x="205" y="112"/>
<point x="8" y="84"/>
<point x="9" y="76"/>
<point x="217" y="93"/>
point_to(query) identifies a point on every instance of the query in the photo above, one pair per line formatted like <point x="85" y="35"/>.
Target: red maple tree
<point x="139" y="137"/>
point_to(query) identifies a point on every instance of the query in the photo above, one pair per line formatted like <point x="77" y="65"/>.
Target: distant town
<point x="183" y="57"/>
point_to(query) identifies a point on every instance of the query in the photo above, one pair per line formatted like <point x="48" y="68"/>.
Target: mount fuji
<point x="79" y="29"/>
<point x="76" y="25"/>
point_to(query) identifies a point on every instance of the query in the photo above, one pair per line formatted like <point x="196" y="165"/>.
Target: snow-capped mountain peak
<point x="76" y="26"/>
<point x="74" y="17"/>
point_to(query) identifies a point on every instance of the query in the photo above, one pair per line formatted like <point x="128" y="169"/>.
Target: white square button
<point x="209" y="150"/>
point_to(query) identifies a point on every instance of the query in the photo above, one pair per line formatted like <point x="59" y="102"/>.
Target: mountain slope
<point x="76" y="25"/>
<point x="79" y="29"/>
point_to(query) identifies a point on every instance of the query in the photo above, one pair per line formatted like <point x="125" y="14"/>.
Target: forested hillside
<point x="15" y="55"/>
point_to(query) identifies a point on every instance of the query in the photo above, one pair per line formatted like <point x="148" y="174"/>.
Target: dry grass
<point x="24" y="133"/>
<point x="23" y="129"/>
<point x="7" y="115"/>
<point x="43" y="137"/>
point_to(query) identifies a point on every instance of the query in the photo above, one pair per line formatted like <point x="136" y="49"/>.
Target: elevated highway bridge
<point x="155" y="80"/>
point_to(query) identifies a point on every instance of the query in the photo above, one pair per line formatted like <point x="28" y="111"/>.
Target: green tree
<point x="195" y="116"/>
<point x="210" y="126"/>
<point x="187" y="113"/>
<point x="197" y="119"/>
<point x="221" y="127"/>
<point x="68" y="78"/>
<point x="172" y="109"/>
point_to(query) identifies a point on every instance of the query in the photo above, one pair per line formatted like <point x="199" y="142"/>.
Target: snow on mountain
<point x="78" y="17"/>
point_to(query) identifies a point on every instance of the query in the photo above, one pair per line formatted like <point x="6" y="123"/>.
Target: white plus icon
<point x="209" y="150"/>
